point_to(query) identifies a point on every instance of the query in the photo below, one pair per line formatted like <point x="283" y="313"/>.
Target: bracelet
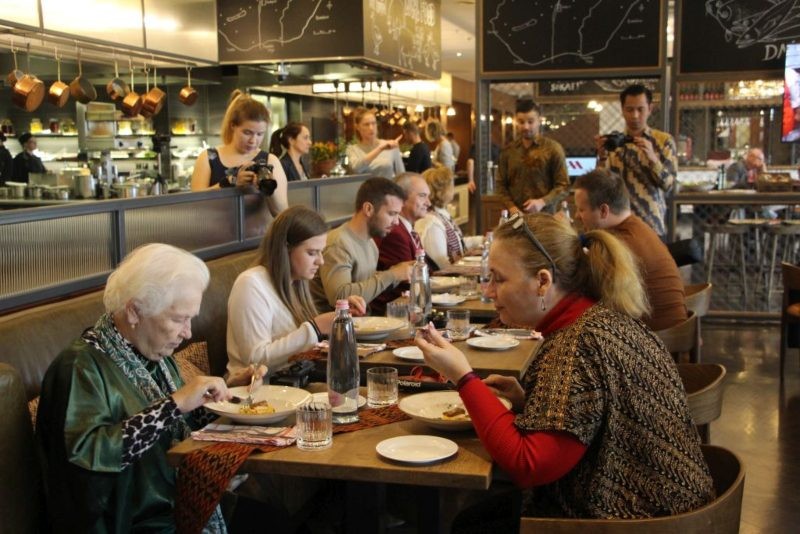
<point x="466" y="378"/>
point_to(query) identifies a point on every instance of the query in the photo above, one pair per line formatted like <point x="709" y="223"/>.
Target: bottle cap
<point x="419" y="252"/>
<point x="342" y="304"/>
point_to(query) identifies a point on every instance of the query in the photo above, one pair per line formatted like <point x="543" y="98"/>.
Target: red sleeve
<point x="395" y="248"/>
<point x="530" y="459"/>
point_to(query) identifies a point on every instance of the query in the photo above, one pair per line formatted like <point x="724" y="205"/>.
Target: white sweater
<point x="433" y="235"/>
<point x="260" y="327"/>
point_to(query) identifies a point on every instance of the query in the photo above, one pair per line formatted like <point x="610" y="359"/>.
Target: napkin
<point x="364" y="349"/>
<point x="254" y="435"/>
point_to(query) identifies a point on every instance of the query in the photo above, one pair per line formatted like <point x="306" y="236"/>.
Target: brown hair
<point x="358" y="115"/>
<point x="375" y="190"/>
<point x="603" y="186"/>
<point x="242" y="107"/>
<point x="280" y="138"/>
<point x="608" y="272"/>
<point x="440" y="180"/>
<point x="293" y="226"/>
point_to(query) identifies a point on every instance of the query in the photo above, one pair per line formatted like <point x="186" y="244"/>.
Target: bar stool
<point x="736" y="232"/>
<point x="698" y="300"/>
<point x="790" y="309"/>
<point x="775" y="232"/>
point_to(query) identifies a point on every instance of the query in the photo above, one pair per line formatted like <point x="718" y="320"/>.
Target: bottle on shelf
<point x="503" y="217"/>
<point x="344" y="376"/>
<point x="721" y="177"/>
<point x="419" y="304"/>
<point x="486" y="274"/>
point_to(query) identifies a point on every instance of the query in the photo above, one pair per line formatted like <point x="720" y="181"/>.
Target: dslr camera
<point x="264" y="180"/>
<point x="615" y="139"/>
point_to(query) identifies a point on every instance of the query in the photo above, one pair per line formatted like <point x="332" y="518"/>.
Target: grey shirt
<point x="387" y="164"/>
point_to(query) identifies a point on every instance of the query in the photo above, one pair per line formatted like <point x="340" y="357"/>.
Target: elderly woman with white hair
<point x="113" y="403"/>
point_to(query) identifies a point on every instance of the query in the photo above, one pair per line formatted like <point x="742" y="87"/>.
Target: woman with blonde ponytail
<point x="600" y="419"/>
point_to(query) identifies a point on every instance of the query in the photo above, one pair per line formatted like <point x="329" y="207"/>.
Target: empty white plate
<point x="493" y="342"/>
<point x="413" y="354"/>
<point x="323" y="397"/>
<point x="417" y="449"/>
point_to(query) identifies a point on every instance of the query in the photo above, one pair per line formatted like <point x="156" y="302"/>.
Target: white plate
<point x="283" y="398"/>
<point x="518" y="333"/>
<point x="445" y="283"/>
<point x="447" y="299"/>
<point x="417" y="449"/>
<point x="493" y="342"/>
<point x="471" y="259"/>
<point x="428" y="408"/>
<point x="376" y="327"/>
<point x="413" y="354"/>
<point x="323" y="397"/>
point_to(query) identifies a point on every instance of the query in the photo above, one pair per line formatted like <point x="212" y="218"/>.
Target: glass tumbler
<point x="399" y="310"/>
<point x="458" y="327"/>
<point x="381" y="386"/>
<point x="314" y="426"/>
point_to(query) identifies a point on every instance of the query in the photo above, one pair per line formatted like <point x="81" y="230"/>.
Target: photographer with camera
<point x="644" y="157"/>
<point x="240" y="161"/>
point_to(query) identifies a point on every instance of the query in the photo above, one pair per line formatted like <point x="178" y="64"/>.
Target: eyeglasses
<point x="517" y="221"/>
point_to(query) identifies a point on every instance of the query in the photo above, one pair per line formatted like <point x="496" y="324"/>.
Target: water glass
<point x="468" y="287"/>
<point x="381" y="386"/>
<point x="398" y="310"/>
<point x="458" y="324"/>
<point x="314" y="426"/>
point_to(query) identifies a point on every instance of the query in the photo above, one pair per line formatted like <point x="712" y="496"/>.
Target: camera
<point x="615" y="139"/>
<point x="295" y="375"/>
<point x="264" y="180"/>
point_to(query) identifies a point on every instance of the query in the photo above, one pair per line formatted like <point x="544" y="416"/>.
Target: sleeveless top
<point x="218" y="170"/>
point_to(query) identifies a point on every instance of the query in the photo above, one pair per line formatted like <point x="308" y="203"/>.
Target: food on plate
<point x="257" y="408"/>
<point x="456" y="412"/>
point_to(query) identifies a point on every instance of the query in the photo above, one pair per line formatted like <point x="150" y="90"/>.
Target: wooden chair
<point x="790" y="309"/>
<point x="683" y="338"/>
<point x="698" y="300"/>
<point x="720" y="516"/>
<point x="703" y="383"/>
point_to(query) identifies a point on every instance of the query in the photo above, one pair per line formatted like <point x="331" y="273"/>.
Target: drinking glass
<point x="381" y="386"/>
<point x="468" y="287"/>
<point x="398" y="310"/>
<point x="458" y="324"/>
<point x="314" y="426"/>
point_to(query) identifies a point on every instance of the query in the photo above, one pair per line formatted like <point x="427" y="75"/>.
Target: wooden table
<point x="477" y="309"/>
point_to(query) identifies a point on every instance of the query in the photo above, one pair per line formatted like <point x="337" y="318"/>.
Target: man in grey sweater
<point x="350" y="254"/>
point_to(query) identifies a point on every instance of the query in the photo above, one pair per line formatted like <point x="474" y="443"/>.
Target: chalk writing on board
<point x="747" y="23"/>
<point x="404" y="32"/>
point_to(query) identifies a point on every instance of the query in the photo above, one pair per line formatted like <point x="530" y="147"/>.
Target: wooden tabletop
<point x="477" y="308"/>
<point x="352" y="457"/>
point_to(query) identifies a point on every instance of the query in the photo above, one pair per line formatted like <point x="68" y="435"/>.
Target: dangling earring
<point x="544" y="306"/>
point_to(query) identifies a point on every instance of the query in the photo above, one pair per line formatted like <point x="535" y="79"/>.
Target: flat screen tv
<point x="791" y="95"/>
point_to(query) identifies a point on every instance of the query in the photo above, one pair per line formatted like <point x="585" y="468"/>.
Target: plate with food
<point x="413" y="354"/>
<point x="417" y="449"/>
<point x="493" y="342"/>
<point x="517" y="333"/>
<point x="447" y="299"/>
<point x="376" y="327"/>
<point x="441" y="284"/>
<point x="270" y="404"/>
<point x="440" y="409"/>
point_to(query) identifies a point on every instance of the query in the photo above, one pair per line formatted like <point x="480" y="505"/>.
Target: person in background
<point x="233" y="163"/>
<point x="419" y="159"/>
<point x="351" y="255"/>
<point x="443" y="153"/>
<point x="601" y="202"/>
<point x="6" y="162"/>
<point x="532" y="174"/>
<point x="440" y="235"/>
<point x="494" y="155"/>
<point x="456" y="147"/>
<point x="271" y="314"/>
<point x="402" y="244"/>
<point x="113" y="403"/>
<point x="648" y="163"/>
<point x="601" y="410"/>
<point x="294" y="142"/>
<point x="744" y="174"/>
<point x="26" y="161"/>
<point x="370" y="155"/>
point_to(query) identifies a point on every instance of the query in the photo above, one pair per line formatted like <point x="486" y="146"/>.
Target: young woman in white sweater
<point x="271" y="314"/>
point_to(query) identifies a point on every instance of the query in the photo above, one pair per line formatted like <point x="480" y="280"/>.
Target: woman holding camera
<point x="240" y="161"/>
<point x="271" y="314"/>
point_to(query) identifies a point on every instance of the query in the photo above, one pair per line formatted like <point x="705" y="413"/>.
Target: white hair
<point x="153" y="276"/>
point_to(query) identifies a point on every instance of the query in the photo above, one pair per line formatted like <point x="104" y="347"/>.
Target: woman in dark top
<point x="6" y="161"/>
<point x="419" y="158"/>
<point x="26" y="161"/>
<point x="295" y="139"/>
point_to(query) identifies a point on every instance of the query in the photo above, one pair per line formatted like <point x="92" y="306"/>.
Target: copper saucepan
<point x="28" y="92"/>
<point x="117" y="89"/>
<point x="59" y="91"/>
<point x="188" y="95"/>
<point x="81" y="88"/>
<point x="155" y="97"/>
<point x="132" y="103"/>
<point x="15" y="75"/>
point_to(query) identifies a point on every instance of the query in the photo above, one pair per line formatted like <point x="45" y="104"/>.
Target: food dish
<point x="493" y="342"/>
<point x="376" y="327"/>
<point x="518" y="333"/>
<point x="283" y="398"/>
<point x="440" y="284"/>
<point x="429" y="408"/>
<point x="409" y="353"/>
<point x="447" y="299"/>
<point x="417" y="449"/>
<point x="323" y="397"/>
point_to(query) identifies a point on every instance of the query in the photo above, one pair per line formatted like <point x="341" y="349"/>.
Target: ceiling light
<point x="508" y="120"/>
<point x="451" y="111"/>
<point x="419" y="108"/>
<point x="458" y="54"/>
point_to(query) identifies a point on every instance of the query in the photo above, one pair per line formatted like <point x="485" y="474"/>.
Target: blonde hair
<point x="440" y="180"/>
<point x="241" y="108"/>
<point x="358" y="115"/>
<point x="607" y="272"/>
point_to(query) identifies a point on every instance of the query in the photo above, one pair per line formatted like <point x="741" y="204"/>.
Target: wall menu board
<point x="404" y="34"/>
<point x="736" y="35"/>
<point x="547" y="35"/>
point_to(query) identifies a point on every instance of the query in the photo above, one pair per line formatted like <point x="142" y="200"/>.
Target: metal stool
<point x="789" y="232"/>
<point x="735" y="231"/>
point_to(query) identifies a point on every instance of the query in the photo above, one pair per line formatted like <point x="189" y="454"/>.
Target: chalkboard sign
<point x="261" y="31"/>
<point x="560" y="89"/>
<point x="736" y="35"/>
<point x="399" y="34"/>
<point x="545" y="35"/>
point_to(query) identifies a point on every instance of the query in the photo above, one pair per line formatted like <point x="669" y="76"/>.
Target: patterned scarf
<point x="453" y="233"/>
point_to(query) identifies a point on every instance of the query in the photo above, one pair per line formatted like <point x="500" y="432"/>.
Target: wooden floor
<point x="760" y="421"/>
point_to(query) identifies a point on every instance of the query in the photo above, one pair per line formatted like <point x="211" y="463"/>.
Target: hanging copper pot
<point x="132" y="103"/>
<point x="15" y="75"/>
<point x="154" y="100"/>
<point x="81" y="88"/>
<point x="117" y="89"/>
<point x="59" y="91"/>
<point x="188" y="95"/>
<point x="28" y="92"/>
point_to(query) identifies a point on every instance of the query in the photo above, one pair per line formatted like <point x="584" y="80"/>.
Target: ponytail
<point x="276" y="143"/>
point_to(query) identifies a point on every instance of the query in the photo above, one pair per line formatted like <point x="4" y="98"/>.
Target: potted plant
<point x="324" y="155"/>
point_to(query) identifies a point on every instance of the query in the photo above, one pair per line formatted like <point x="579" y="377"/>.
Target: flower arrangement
<point x="323" y="151"/>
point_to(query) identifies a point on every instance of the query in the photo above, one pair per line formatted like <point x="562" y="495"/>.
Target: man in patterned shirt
<point x="647" y="162"/>
<point x="532" y="174"/>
